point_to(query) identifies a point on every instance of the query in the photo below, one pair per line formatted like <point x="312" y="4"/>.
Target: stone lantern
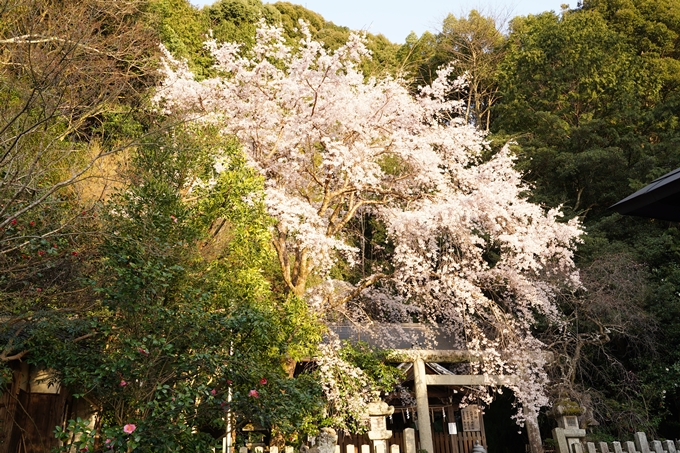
<point x="377" y="412"/>
<point x="568" y="432"/>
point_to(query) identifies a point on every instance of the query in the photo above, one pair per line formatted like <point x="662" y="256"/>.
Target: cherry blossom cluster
<point x="347" y="389"/>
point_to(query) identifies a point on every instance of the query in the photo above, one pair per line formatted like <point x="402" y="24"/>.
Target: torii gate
<point x="421" y="380"/>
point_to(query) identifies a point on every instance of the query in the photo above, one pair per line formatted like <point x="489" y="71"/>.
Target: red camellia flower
<point x="41" y="252"/>
<point x="213" y="392"/>
<point x="74" y="253"/>
<point x="14" y="221"/>
<point x="253" y="393"/>
<point x="143" y="351"/>
<point x="129" y="428"/>
<point x="123" y="383"/>
<point x="263" y="381"/>
<point x="32" y="223"/>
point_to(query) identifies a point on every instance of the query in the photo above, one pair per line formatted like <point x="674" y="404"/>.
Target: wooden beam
<point x="468" y="379"/>
<point x="446" y="355"/>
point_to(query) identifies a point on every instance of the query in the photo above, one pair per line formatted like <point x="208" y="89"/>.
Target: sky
<point x="397" y="18"/>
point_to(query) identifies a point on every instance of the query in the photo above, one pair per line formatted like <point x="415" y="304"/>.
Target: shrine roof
<point x="399" y="336"/>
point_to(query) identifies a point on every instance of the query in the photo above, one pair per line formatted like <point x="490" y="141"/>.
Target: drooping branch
<point x="358" y="289"/>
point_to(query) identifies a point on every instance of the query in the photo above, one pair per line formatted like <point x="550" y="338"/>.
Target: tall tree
<point x="574" y="92"/>
<point x="475" y="46"/>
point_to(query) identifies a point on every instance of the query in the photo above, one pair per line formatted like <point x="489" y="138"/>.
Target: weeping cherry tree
<point x="467" y="250"/>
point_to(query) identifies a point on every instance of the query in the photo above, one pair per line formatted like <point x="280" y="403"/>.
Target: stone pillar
<point x="422" y="406"/>
<point x="641" y="442"/>
<point x="379" y="433"/>
<point x="409" y="440"/>
<point x="533" y="432"/>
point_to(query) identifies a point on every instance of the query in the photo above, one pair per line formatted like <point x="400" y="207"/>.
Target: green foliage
<point x="236" y="20"/>
<point x="291" y="15"/>
<point x="373" y="362"/>
<point x="580" y="98"/>
<point x="590" y="98"/>
<point x="182" y="29"/>
<point x="474" y="46"/>
<point x="419" y="57"/>
<point x="565" y="75"/>
<point x="652" y="25"/>
<point x="187" y="329"/>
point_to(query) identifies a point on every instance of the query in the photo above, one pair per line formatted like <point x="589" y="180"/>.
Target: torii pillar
<point x="422" y="405"/>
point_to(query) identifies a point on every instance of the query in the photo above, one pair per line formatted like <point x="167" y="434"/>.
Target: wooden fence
<point x="443" y="442"/>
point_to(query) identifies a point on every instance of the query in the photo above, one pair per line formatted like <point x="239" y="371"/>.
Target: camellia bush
<point x="187" y="338"/>
<point x="462" y="246"/>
